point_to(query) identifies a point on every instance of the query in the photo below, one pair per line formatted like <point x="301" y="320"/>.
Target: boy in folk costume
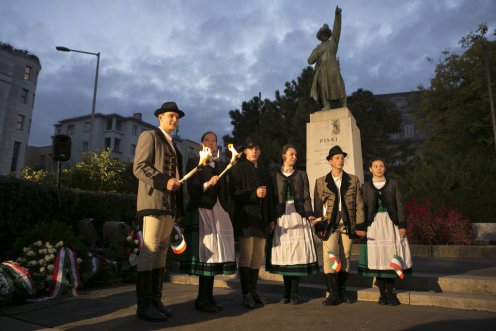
<point x="339" y="194"/>
<point x="157" y="165"/>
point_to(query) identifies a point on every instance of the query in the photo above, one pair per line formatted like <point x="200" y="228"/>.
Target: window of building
<point x="118" y="124"/>
<point x="15" y="156"/>
<point x="29" y="129"/>
<point x="135" y="130"/>
<point x="20" y="122"/>
<point x="395" y="136"/>
<point x="133" y="149"/>
<point x="43" y="160"/>
<point x="24" y="95"/>
<point x="108" y="142"/>
<point x="87" y="126"/>
<point x="34" y="96"/>
<point x="409" y="130"/>
<point x="70" y="129"/>
<point x="109" y="124"/>
<point x="117" y="145"/>
<point x="27" y="73"/>
<point x="85" y="146"/>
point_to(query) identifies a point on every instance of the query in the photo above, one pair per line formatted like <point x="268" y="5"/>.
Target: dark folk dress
<point x="291" y="248"/>
<point x="251" y="214"/>
<point x="385" y="213"/>
<point x="208" y="229"/>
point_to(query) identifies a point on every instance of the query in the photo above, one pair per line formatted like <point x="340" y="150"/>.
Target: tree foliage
<point x="98" y="172"/>
<point x="458" y="164"/>
<point x="278" y="122"/>
<point x="377" y="122"/>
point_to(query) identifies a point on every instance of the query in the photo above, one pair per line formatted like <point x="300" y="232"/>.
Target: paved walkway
<point x="114" y="309"/>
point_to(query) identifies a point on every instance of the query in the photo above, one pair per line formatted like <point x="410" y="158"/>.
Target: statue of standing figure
<point x="328" y="85"/>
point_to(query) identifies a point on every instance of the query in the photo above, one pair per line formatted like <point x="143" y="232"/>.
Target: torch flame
<point x="205" y="154"/>
<point x="234" y="152"/>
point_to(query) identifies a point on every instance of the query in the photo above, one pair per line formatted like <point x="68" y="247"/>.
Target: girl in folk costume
<point x="386" y="255"/>
<point x="291" y="252"/>
<point x="208" y="228"/>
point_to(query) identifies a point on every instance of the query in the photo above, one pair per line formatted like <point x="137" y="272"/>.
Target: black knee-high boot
<point x="246" y="287"/>
<point x="332" y="298"/>
<point x="210" y="293"/>
<point x="287" y="289"/>
<point x="157" y="285"/>
<point x="254" y="279"/>
<point x="202" y="303"/>
<point x="342" y="279"/>
<point x="391" y="298"/>
<point x="146" y="310"/>
<point x="295" y="280"/>
<point x="382" y="290"/>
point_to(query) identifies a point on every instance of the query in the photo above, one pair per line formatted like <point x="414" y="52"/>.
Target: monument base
<point x="328" y="128"/>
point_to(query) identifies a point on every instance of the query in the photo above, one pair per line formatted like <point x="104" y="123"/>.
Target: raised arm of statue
<point x="336" y="29"/>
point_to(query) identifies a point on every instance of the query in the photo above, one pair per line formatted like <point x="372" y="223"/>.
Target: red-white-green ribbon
<point x="65" y="264"/>
<point x="396" y="265"/>
<point x="22" y="274"/>
<point x="335" y="263"/>
<point x="178" y="245"/>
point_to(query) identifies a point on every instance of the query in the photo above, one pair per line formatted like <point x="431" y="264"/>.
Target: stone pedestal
<point x="328" y="128"/>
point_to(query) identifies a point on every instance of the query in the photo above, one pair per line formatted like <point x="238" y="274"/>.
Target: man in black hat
<point x="157" y="165"/>
<point x="338" y="198"/>
<point x="254" y="217"/>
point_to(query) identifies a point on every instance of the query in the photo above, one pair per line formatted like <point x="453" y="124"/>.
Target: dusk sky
<point x="210" y="56"/>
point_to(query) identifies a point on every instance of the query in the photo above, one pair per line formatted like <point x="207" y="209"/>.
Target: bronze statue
<point x="328" y="85"/>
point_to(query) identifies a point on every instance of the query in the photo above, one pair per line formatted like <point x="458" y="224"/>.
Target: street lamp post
<point x="92" y="119"/>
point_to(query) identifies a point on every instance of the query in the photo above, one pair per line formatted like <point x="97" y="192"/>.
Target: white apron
<point x="216" y="236"/>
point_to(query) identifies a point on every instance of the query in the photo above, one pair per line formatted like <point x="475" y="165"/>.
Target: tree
<point x="278" y="122"/>
<point x="99" y="172"/>
<point x="458" y="164"/>
<point x="377" y="122"/>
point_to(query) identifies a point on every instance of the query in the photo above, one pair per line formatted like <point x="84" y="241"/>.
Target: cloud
<point x="211" y="56"/>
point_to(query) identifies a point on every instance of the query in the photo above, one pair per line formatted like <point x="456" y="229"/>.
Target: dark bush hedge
<point x="24" y="204"/>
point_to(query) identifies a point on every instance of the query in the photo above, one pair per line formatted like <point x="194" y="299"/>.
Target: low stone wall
<point x="442" y="251"/>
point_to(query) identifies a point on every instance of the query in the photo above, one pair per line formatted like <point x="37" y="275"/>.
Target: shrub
<point x="25" y="204"/>
<point x="437" y="226"/>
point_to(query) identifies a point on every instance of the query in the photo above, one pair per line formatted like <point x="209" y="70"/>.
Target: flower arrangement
<point x="39" y="260"/>
<point x="134" y="241"/>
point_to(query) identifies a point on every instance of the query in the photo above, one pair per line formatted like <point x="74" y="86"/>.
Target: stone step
<point x="313" y="290"/>
<point x="463" y="284"/>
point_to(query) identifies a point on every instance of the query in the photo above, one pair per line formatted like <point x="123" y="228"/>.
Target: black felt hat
<point x="251" y="142"/>
<point x="169" y="106"/>
<point x="335" y="150"/>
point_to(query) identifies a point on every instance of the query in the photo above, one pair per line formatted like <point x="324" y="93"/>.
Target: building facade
<point x="114" y="131"/>
<point x="19" y="72"/>
<point x="406" y="103"/>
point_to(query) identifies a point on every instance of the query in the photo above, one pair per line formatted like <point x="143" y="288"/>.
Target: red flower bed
<point x="437" y="226"/>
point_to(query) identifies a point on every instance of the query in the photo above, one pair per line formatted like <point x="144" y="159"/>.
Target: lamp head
<point x="62" y="49"/>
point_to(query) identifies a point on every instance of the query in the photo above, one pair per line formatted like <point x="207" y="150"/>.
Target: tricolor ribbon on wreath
<point x="65" y="264"/>
<point x="21" y="274"/>
<point x="335" y="263"/>
<point x="396" y="265"/>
